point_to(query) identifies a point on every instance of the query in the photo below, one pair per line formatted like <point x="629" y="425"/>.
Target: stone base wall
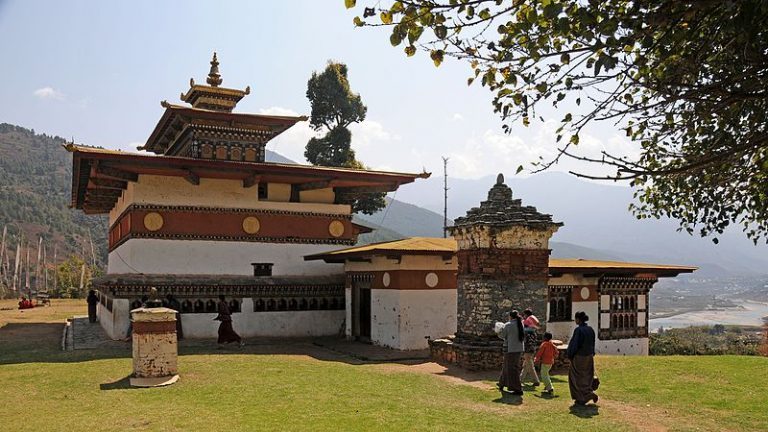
<point x="482" y="301"/>
<point x="477" y="357"/>
<point x="469" y="357"/>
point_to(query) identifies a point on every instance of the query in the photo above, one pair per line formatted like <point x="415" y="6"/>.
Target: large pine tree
<point x="334" y="108"/>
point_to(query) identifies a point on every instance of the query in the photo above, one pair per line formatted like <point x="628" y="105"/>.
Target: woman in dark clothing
<point x="581" y="352"/>
<point x="512" y="334"/>
<point x="226" y="333"/>
<point x="92" y="300"/>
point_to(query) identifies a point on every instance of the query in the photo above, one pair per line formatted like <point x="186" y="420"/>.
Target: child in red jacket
<point x="546" y="356"/>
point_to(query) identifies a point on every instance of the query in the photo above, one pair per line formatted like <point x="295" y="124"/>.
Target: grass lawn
<point x="298" y="386"/>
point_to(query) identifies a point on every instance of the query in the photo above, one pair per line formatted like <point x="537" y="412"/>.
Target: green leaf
<point x="395" y="38"/>
<point x="410" y="50"/>
<point x="575" y="139"/>
<point x="441" y="31"/>
<point x="350" y="3"/>
<point x="386" y="17"/>
<point x="358" y="22"/>
<point x="520" y="168"/>
<point x="436" y="56"/>
<point x="565" y="58"/>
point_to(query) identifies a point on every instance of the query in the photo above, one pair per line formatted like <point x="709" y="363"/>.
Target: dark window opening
<point x="560" y="302"/>
<point x="262" y="269"/>
<point x="263" y="191"/>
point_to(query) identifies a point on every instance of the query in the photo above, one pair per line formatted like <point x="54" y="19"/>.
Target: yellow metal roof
<point x="443" y="246"/>
<point x="409" y="246"/>
<point x="579" y="263"/>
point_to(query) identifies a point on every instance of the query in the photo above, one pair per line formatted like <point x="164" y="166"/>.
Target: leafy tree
<point x="69" y="273"/>
<point x="334" y="108"/>
<point x="686" y="79"/>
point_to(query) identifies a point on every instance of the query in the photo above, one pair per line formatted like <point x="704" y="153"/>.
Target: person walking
<point x="227" y="334"/>
<point x="530" y="325"/>
<point x="92" y="300"/>
<point x="514" y="345"/>
<point x="546" y="356"/>
<point x="581" y="352"/>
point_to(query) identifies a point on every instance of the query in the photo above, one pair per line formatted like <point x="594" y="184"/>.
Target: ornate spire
<point x="214" y="78"/>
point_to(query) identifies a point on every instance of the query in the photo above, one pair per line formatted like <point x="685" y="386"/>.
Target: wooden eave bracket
<point x="322" y="184"/>
<point x="108" y="171"/>
<point x="251" y="181"/>
<point x="191" y="177"/>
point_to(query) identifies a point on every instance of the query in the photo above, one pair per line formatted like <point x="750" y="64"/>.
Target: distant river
<point x="751" y="314"/>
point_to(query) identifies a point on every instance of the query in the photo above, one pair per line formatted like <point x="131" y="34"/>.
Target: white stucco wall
<point x="348" y="314"/>
<point x="266" y="324"/>
<point x="401" y="319"/>
<point x="246" y="323"/>
<point x="426" y="313"/>
<point x="385" y="317"/>
<point x="635" y="346"/>
<point x="158" y="256"/>
<point x="115" y="323"/>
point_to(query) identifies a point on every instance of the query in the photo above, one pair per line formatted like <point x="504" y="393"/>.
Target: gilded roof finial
<point x="214" y="78"/>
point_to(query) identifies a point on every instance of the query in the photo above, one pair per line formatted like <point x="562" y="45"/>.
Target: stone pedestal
<point x="155" y="350"/>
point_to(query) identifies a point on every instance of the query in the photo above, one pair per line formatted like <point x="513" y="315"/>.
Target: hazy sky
<point x="97" y="71"/>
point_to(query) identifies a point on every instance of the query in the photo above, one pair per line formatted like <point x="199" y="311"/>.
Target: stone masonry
<point x="503" y="265"/>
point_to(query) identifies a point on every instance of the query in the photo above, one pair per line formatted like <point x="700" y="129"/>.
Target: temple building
<point x="402" y="294"/>
<point x="201" y="213"/>
<point x="206" y="215"/>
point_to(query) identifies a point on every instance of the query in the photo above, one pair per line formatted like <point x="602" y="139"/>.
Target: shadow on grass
<point x="41" y="342"/>
<point x="546" y="396"/>
<point x="121" y="384"/>
<point x="584" y="411"/>
<point x="509" y="399"/>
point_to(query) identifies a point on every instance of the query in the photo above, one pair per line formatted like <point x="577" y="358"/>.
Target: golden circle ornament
<point x="584" y="293"/>
<point x="251" y="225"/>
<point x="336" y="228"/>
<point x="431" y="280"/>
<point x="153" y="221"/>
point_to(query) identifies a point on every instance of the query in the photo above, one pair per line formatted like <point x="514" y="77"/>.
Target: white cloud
<point x="368" y="139"/>
<point x="48" y="93"/>
<point x="370" y="132"/>
<point x="457" y="117"/>
<point x="290" y="143"/>
<point x="494" y="152"/>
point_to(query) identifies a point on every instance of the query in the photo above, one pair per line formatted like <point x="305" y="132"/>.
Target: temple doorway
<point x="361" y="310"/>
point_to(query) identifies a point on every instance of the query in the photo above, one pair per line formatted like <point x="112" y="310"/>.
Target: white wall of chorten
<point x="409" y="301"/>
<point x="512" y="237"/>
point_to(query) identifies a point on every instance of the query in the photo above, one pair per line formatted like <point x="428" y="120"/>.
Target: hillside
<point x="35" y="176"/>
